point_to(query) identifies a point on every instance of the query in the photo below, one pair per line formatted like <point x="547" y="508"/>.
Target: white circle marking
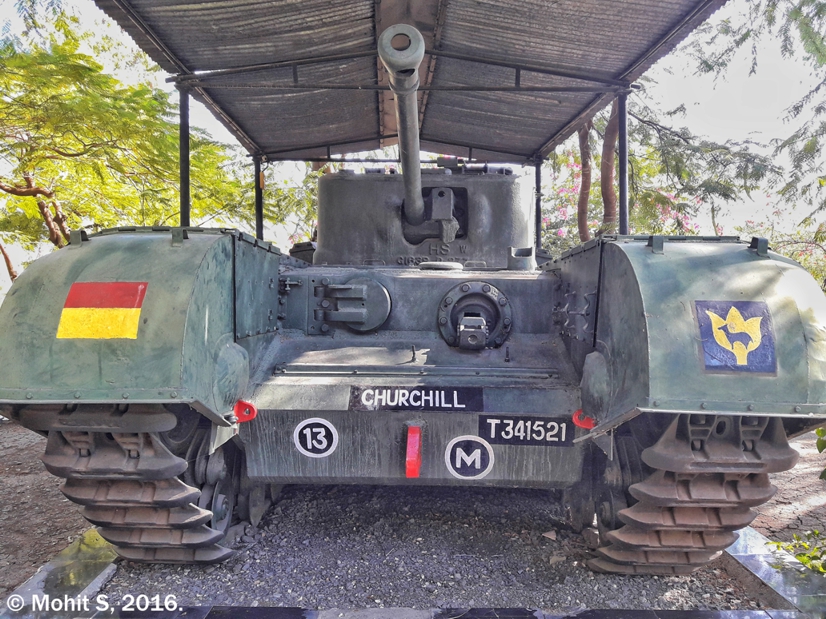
<point x="323" y="422"/>
<point x="469" y="437"/>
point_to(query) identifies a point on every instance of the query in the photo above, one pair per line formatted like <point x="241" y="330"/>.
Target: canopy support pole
<point x="538" y="210"/>
<point x="259" y="200"/>
<point x="183" y="138"/>
<point x="622" y="110"/>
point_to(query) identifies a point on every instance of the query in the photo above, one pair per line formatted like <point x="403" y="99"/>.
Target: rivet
<point x="465" y="287"/>
<point x="443" y="320"/>
<point x="797" y="409"/>
<point x="325" y="328"/>
<point x="750" y="407"/>
<point x="507" y="322"/>
<point x="77" y="394"/>
<point x="125" y="396"/>
<point x="486" y="288"/>
<point x="325" y="281"/>
<point x="702" y="404"/>
<point x="656" y="403"/>
<point x="503" y="301"/>
<point x="29" y="396"/>
<point x="325" y="303"/>
<point x="174" y="394"/>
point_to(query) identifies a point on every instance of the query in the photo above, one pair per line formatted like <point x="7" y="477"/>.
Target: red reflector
<point x="244" y="411"/>
<point x="583" y="422"/>
<point x="413" y="461"/>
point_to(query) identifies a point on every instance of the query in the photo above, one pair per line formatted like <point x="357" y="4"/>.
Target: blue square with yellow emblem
<point x="737" y="336"/>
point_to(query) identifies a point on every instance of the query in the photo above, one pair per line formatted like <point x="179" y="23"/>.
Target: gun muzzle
<point x="401" y="50"/>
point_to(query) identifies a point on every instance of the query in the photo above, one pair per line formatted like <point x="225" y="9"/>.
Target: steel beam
<point x="259" y="200"/>
<point x="183" y="149"/>
<point x="379" y="87"/>
<point x="538" y="209"/>
<point x="622" y="111"/>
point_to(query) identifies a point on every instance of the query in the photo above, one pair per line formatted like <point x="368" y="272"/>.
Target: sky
<point x="739" y="107"/>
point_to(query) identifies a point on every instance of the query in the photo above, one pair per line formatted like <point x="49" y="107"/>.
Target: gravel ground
<point x="374" y="546"/>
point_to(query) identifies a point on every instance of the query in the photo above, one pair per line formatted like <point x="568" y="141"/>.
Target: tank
<point x="184" y="375"/>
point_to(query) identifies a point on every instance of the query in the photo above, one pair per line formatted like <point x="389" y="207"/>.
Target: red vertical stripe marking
<point x="413" y="460"/>
<point x="106" y="294"/>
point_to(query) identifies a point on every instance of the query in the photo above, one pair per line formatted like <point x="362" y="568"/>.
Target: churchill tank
<point x="183" y="375"/>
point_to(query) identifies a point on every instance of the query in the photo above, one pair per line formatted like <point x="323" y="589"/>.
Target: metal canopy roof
<point x="504" y="80"/>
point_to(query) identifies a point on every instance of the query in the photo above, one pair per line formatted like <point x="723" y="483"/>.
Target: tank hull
<point x="654" y="381"/>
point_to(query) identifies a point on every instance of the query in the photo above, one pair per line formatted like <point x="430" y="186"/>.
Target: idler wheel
<point x="220" y="500"/>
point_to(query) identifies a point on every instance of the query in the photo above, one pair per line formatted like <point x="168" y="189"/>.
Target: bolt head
<point x="507" y="322"/>
<point x="125" y="396"/>
<point x="449" y="300"/>
<point x="29" y="396"/>
<point x="77" y="394"/>
<point x="443" y="320"/>
<point x="750" y="407"/>
<point x="486" y="288"/>
<point x="702" y="405"/>
<point x="503" y="301"/>
<point x="174" y="394"/>
<point x="465" y="287"/>
<point x="325" y="281"/>
<point x="797" y="409"/>
<point x="325" y="328"/>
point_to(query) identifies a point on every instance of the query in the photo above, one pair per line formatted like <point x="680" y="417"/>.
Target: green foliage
<point x="673" y="176"/>
<point x="806" y="243"/>
<point x="800" y="26"/>
<point x="103" y="153"/>
<point x="294" y="203"/>
<point x="809" y="549"/>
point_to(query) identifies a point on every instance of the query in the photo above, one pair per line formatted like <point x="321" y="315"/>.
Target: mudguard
<point x="139" y="315"/>
<point x="715" y="326"/>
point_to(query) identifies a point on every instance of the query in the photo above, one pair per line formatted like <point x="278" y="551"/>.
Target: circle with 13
<point x="315" y="437"/>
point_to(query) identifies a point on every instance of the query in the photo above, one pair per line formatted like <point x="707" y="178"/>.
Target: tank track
<point x="129" y="485"/>
<point x="708" y="472"/>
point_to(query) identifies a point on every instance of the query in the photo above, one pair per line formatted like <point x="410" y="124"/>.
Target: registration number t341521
<point x="521" y="430"/>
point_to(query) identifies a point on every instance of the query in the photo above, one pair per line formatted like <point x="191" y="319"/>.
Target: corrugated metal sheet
<point x="614" y="39"/>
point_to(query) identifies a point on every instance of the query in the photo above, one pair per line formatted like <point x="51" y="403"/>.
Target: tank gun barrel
<point x="401" y="50"/>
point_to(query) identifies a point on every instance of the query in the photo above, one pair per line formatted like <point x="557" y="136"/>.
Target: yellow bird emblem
<point x="736" y="324"/>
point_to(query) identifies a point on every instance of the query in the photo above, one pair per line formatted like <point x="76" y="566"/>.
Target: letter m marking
<point x="475" y="458"/>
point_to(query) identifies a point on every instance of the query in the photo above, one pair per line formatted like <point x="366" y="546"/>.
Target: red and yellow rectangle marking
<point x="102" y="311"/>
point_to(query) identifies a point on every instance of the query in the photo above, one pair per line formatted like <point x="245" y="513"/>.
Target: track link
<point x="129" y="486"/>
<point x="708" y="472"/>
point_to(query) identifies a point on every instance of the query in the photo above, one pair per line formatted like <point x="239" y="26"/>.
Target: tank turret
<point x="474" y="215"/>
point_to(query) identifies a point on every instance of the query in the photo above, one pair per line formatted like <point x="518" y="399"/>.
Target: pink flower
<point x="562" y="232"/>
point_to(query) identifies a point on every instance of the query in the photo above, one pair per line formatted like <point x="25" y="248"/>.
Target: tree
<point x="80" y="149"/>
<point x="800" y="26"/>
<point x="673" y="175"/>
